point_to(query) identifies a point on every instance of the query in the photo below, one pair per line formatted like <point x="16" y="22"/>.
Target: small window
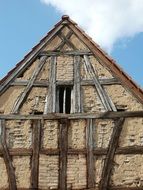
<point x="64" y="99"/>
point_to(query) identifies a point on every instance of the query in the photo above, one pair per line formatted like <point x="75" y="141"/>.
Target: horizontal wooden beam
<point x="96" y="151"/>
<point x="58" y="53"/>
<point x="83" y="82"/>
<point x="56" y="116"/>
<point x="101" y="81"/>
<point x="111" y="188"/>
<point x="125" y="188"/>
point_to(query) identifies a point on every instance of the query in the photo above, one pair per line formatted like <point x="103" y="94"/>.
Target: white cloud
<point x="106" y="21"/>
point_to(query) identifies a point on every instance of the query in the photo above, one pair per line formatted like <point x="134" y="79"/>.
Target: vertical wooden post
<point x="77" y="79"/>
<point x="50" y="105"/>
<point x="107" y="168"/>
<point x="90" y="155"/>
<point x="6" y="156"/>
<point x="35" y="155"/>
<point x="63" y="146"/>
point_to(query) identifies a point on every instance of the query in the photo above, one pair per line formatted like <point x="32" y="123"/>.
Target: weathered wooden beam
<point x="26" y="62"/>
<point x="124" y="188"/>
<point x="59" y="53"/>
<point x="96" y="151"/>
<point x="18" y="152"/>
<point x="63" y="146"/>
<point x="6" y="157"/>
<point x="50" y="106"/>
<point x="63" y="41"/>
<point x="35" y="153"/>
<point x="90" y="155"/>
<point x="56" y="116"/>
<point x="76" y="88"/>
<point x="67" y="41"/>
<point x="111" y="188"/>
<point x="83" y="82"/>
<point x="106" y="101"/>
<point x="108" y="163"/>
<point x="19" y="102"/>
<point x="101" y="81"/>
<point x="130" y="150"/>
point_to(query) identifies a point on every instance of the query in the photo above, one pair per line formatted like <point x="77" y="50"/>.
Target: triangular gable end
<point x="96" y="67"/>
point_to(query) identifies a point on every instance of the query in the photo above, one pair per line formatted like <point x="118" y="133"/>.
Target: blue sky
<point x="24" y="23"/>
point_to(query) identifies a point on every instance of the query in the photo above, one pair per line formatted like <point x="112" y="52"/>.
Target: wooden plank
<point x="25" y="93"/>
<point x="124" y="188"/>
<point x="50" y="106"/>
<point x="97" y="115"/>
<point x="35" y="155"/>
<point x="29" y="59"/>
<point x="63" y="146"/>
<point x="107" y="168"/>
<point x="77" y="90"/>
<point x="63" y="41"/>
<point x="67" y="41"/>
<point x="101" y="81"/>
<point x="59" y="53"/>
<point x="70" y="82"/>
<point x="90" y="155"/>
<point x="6" y="157"/>
<point x="106" y="101"/>
<point x="96" y="151"/>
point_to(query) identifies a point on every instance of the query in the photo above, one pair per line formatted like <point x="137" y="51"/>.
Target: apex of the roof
<point x="65" y="17"/>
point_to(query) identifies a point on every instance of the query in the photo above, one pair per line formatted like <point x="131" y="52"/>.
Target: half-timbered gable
<point x="70" y="118"/>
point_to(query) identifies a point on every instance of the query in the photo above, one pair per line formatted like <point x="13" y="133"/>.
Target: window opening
<point x="64" y="99"/>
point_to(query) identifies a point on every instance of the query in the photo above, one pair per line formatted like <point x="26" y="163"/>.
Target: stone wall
<point x="64" y="68"/>
<point x="76" y="172"/>
<point x="22" y="171"/>
<point x="48" y="172"/>
<point x="128" y="171"/>
<point x="122" y="98"/>
<point x="35" y="102"/>
<point x="91" y="101"/>
<point x="3" y="175"/>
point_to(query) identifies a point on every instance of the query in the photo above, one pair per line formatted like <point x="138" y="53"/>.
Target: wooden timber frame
<point x="91" y="152"/>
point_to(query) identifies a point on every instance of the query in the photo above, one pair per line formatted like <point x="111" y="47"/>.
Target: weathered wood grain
<point x="63" y="41"/>
<point x="35" y="153"/>
<point x="7" y="157"/>
<point x="77" y="88"/>
<point x="90" y="155"/>
<point x="70" y="53"/>
<point x="106" y="101"/>
<point x="63" y="146"/>
<point x="108" y="164"/>
<point x="67" y="41"/>
<point x="96" y="151"/>
<point x="25" y="93"/>
<point x="70" y="82"/>
<point x="56" y="116"/>
<point x="50" y="106"/>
